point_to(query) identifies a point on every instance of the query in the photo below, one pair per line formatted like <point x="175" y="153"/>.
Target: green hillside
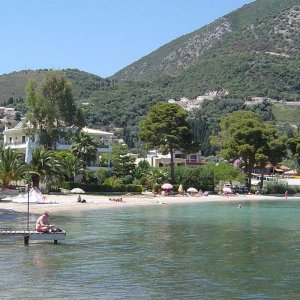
<point x="13" y="84"/>
<point x="258" y="11"/>
<point x="243" y="74"/>
<point x="83" y="83"/>
<point x="264" y="25"/>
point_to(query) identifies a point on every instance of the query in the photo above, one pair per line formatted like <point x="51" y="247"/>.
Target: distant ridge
<point x="13" y="84"/>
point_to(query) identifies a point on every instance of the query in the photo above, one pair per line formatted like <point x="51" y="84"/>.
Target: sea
<point x="180" y="251"/>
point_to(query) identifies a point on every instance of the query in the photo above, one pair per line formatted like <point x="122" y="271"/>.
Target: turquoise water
<point x="191" y="251"/>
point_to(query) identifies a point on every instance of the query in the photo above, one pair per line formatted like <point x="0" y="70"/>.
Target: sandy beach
<point x="59" y="204"/>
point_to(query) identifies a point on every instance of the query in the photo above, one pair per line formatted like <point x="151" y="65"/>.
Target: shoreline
<point x="58" y="204"/>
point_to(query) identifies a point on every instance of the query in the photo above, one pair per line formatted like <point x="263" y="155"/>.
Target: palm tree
<point x="46" y="166"/>
<point x="72" y="165"/>
<point x="11" y="166"/>
<point x="84" y="147"/>
<point x="156" y="176"/>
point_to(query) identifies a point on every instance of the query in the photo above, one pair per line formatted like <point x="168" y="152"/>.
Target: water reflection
<point x="40" y="261"/>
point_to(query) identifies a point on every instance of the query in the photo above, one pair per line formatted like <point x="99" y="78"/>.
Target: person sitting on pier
<point x="42" y="223"/>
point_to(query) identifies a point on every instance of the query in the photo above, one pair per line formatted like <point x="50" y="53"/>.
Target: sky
<point x="96" y="36"/>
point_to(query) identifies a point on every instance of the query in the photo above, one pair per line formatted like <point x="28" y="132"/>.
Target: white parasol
<point x="167" y="186"/>
<point x="227" y="190"/>
<point x="180" y="188"/>
<point x="77" y="191"/>
<point x="192" y="190"/>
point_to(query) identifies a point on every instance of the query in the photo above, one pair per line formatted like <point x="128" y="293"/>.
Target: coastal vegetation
<point x="246" y="137"/>
<point x="245" y="141"/>
<point x="57" y="169"/>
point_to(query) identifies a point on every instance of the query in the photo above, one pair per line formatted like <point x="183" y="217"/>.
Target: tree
<point x="199" y="178"/>
<point x="122" y="163"/>
<point x="45" y="165"/>
<point x="294" y="146"/>
<point x="51" y="109"/>
<point x="84" y="147"/>
<point x="245" y="136"/>
<point x="224" y="172"/>
<point x="166" y="129"/>
<point x="71" y="164"/>
<point x="141" y="169"/>
<point x="11" y="166"/>
<point x="156" y="177"/>
<point x="89" y="176"/>
<point x="102" y="174"/>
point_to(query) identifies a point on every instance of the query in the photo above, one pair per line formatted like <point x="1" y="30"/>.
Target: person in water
<point x="42" y="223"/>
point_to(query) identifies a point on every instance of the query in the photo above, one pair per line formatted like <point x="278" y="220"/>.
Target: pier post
<point x="26" y="239"/>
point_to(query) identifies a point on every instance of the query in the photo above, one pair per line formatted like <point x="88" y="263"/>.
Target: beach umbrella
<point x="192" y="190"/>
<point x="77" y="191"/>
<point x="227" y="190"/>
<point x="291" y="172"/>
<point x="167" y="186"/>
<point x="180" y="188"/>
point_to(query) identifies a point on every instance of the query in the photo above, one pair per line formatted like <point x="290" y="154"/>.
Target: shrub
<point x="278" y="187"/>
<point x="199" y="178"/>
<point x="155" y="187"/>
<point x="128" y="179"/>
<point x="175" y="187"/>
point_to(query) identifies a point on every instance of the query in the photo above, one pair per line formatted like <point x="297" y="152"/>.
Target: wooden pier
<point x="34" y="235"/>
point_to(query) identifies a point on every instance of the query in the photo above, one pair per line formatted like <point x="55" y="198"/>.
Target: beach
<point x="57" y="204"/>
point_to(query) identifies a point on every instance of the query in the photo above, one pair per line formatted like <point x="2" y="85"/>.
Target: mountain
<point x="270" y="27"/>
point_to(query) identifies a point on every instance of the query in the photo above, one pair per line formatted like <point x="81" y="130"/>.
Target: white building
<point x="157" y="160"/>
<point x="16" y="138"/>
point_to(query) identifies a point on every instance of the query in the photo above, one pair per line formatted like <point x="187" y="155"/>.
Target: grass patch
<point x="286" y="113"/>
